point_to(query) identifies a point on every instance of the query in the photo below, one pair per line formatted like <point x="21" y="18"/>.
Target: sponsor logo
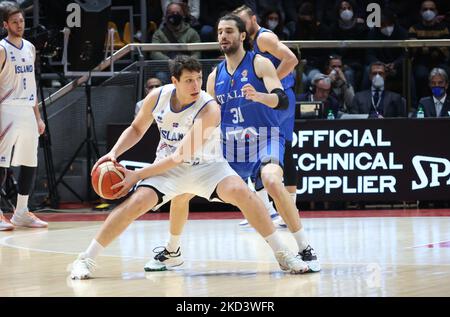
<point x="439" y="171"/>
<point x="244" y="75"/>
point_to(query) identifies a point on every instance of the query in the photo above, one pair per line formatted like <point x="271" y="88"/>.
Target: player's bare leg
<point x="118" y="220"/>
<point x="272" y="176"/>
<point x="170" y="256"/>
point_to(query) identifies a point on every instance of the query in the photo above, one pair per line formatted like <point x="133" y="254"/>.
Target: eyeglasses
<point x="153" y="86"/>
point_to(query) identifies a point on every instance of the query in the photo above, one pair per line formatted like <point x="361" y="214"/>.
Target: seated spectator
<point x="405" y="11"/>
<point x="426" y="58"/>
<point x="192" y="8"/>
<point x="210" y="12"/>
<point x="262" y="6"/>
<point x="350" y="27"/>
<point x="341" y="88"/>
<point x="378" y="102"/>
<point x="320" y="91"/>
<point x="309" y="29"/>
<point x="174" y="29"/>
<point x="437" y="105"/>
<point x="393" y="58"/>
<point x="273" y="20"/>
<point x="152" y="83"/>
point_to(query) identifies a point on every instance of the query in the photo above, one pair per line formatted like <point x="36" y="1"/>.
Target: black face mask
<point x="174" y="19"/>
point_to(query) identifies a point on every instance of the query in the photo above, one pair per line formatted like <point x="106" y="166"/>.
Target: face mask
<point x="174" y="19"/>
<point x="428" y="15"/>
<point x="378" y="81"/>
<point x="387" y="30"/>
<point x="272" y="24"/>
<point x="438" y="92"/>
<point x="346" y="15"/>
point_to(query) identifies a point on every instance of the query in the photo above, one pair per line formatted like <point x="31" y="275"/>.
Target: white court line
<point x="422" y="245"/>
<point x="4" y="242"/>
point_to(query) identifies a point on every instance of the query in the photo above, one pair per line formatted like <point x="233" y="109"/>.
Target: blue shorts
<point x="287" y="117"/>
<point x="271" y="152"/>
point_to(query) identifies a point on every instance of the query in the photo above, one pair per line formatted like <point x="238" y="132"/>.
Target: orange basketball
<point x="105" y="176"/>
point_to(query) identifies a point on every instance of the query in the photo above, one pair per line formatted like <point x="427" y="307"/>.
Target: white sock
<point x="275" y="242"/>
<point x="300" y="237"/>
<point x="22" y="204"/>
<point x="294" y="197"/>
<point x="265" y="199"/>
<point x="174" y="243"/>
<point x="93" y="249"/>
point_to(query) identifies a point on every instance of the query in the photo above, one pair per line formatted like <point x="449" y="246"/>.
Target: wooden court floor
<point x="374" y="255"/>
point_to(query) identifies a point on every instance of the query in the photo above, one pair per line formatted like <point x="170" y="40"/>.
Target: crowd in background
<point x="347" y="80"/>
<point x="353" y="79"/>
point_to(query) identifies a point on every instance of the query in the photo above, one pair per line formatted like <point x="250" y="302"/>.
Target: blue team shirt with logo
<point x="244" y="122"/>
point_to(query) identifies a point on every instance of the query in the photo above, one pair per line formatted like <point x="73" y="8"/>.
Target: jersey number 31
<point x="237" y="115"/>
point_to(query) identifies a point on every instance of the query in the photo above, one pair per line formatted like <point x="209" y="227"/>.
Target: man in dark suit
<point x="378" y="102"/>
<point x="437" y="105"/>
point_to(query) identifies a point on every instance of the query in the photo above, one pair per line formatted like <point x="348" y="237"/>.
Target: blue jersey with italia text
<point x="250" y="130"/>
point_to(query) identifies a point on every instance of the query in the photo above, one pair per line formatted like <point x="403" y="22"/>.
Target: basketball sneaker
<point x="289" y="262"/>
<point x="309" y="256"/>
<point x="82" y="268"/>
<point x="164" y="260"/>
<point x="27" y="219"/>
<point x="276" y="219"/>
<point x="5" y="224"/>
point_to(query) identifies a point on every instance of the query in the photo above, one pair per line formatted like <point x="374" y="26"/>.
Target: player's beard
<point x="230" y="50"/>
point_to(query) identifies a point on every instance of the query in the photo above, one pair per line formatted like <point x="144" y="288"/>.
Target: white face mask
<point x="428" y="15"/>
<point x="346" y="15"/>
<point x="378" y="81"/>
<point x="387" y="30"/>
<point x="272" y="24"/>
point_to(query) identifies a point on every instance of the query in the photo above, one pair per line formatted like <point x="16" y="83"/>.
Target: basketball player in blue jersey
<point x="267" y="44"/>
<point x="20" y="120"/>
<point x="189" y="150"/>
<point x="251" y="97"/>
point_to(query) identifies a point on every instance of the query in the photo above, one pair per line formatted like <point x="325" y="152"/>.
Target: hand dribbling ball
<point x="105" y="176"/>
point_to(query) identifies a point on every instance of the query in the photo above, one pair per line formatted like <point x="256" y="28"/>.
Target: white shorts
<point x="200" y="180"/>
<point x="22" y="135"/>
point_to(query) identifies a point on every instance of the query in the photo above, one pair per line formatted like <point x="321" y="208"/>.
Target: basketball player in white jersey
<point x="189" y="160"/>
<point x="20" y="120"/>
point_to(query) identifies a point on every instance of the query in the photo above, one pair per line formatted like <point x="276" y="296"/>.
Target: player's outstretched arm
<point x="276" y="98"/>
<point x="134" y="133"/>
